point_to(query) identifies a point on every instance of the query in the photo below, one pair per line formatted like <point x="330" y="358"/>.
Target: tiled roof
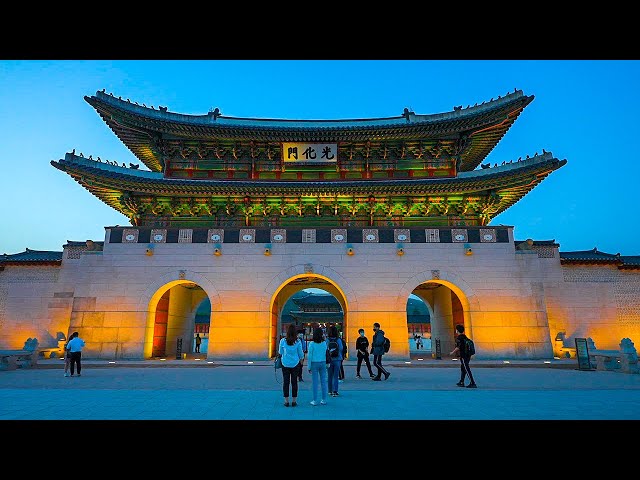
<point x="315" y="299"/>
<point x="31" y="257"/>
<point x="547" y="243"/>
<point x="109" y="182"/>
<point x="630" y="262"/>
<point x="311" y="315"/>
<point x="72" y="243"/>
<point x="139" y="127"/>
<point x="589" y="256"/>
<point x="594" y="257"/>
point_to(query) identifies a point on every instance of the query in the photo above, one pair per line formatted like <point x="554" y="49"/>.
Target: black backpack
<point x="333" y="347"/>
<point x="469" y="346"/>
<point x="387" y="345"/>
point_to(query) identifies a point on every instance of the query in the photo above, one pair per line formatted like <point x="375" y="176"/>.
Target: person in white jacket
<point x="290" y="350"/>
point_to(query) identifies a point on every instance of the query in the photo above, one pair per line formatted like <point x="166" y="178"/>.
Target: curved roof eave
<point x="136" y="126"/>
<point x="108" y="182"/>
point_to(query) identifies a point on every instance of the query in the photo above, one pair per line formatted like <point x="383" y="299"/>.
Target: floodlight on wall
<point x="149" y="250"/>
<point x="217" y="250"/>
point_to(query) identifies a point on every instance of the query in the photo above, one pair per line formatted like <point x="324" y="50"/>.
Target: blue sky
<point x="584" y="111"/>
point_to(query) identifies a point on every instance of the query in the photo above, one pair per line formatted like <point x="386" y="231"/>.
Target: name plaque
<point x="310" y="152"/>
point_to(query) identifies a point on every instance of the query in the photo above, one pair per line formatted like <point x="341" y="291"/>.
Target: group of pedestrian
<point x="73" y="355"/>
<point x="326" y="368"/>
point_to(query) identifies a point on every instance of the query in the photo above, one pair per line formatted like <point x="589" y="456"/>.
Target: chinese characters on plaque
<point x="310" y="152"/>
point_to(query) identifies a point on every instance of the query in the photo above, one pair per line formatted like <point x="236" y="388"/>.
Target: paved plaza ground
<point x="237" y="390"/>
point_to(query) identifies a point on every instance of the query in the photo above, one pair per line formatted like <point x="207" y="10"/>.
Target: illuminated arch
<point x="346" y="298"/>
<point x="454" y="282"/>
<point x="148" y="301"/>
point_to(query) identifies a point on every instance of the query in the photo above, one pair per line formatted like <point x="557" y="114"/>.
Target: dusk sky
<point x="584" y="111"/>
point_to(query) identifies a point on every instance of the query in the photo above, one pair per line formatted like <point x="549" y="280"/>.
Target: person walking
<point x="362" y="349"/>
<point x="290" y="350"/>
<point x="377" y="349"/>
<point x="462" y="353"/>
<point x="75" y="346"/>
<point x="198" y="342"/>
<point x="304" y="351"/>
<point x="317" y="359"/>
<point x="335" y="347"/>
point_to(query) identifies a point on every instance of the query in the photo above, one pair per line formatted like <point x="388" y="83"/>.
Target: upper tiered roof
<point x="143" y="129"/>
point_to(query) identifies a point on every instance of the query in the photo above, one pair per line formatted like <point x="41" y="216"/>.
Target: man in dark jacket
<point x="362" y="347"/>
<point x="461" y="351"/>
<point x="377" y="349"/>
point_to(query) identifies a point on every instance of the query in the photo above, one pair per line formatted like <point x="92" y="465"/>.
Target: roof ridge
<point x="407" y="114"/>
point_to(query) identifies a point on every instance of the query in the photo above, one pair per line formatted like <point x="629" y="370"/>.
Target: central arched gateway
<point x="293" y="285"/>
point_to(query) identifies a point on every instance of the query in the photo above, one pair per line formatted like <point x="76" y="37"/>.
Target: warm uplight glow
<point x="197" y="359"/>
<point x="163" y="359"/>
<point x="556" y="358"/>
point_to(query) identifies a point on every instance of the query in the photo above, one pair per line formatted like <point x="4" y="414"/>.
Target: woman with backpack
<point x="335" y="348"/>
<point x="290" y="350"/>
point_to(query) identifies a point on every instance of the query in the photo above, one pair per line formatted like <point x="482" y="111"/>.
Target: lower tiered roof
<point x="148" y="197"/>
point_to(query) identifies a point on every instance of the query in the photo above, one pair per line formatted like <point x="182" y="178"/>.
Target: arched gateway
<point x="245" y="212"/>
